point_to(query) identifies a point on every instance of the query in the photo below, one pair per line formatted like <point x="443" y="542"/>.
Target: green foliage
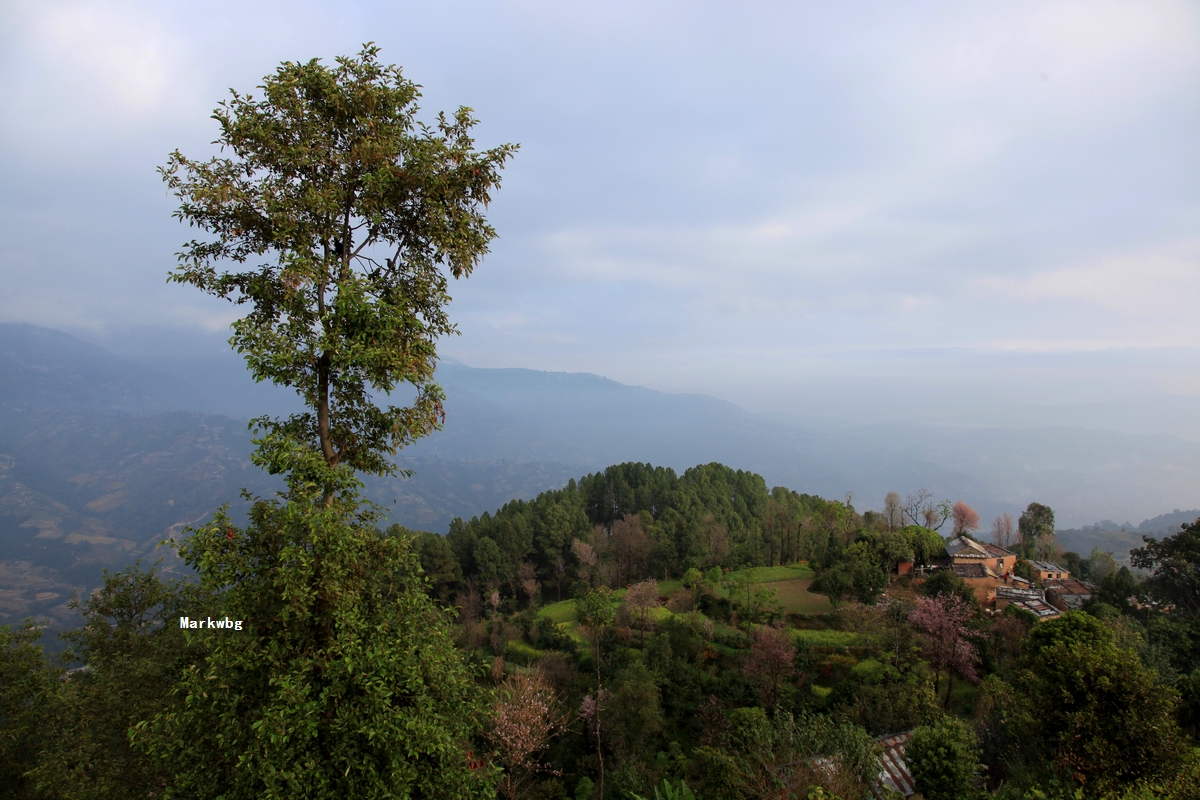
<point x="1035" y="531"/>
<point x="1118" y="589"/>
<point x="27" y="683"/>
<point x="762" y="756"/>
<point x="868" y="577"/>
<point x="596" y="609"/>
<point x="134" y="648"/>
<point x="634" y="712"/>
<point x="670" y="791"/>
<point x="943" y="758"/>
<point x="437" y="561"/>
<point x="345" y="682"/>
<point x="926" y="544"/>
<point x="584" y="789"/>
<point x="891" y="547"/>
<point x="1102" y="715"/>
<point x="359" y="208"/>
<point x="1175" y="561"/>
<point x="945" y="582"/>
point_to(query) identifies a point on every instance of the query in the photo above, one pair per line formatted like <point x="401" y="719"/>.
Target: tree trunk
<point x="599" y="747"/>
<point x="949" y="688"/>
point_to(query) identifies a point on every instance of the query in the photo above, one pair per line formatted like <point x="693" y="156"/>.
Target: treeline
<point x="637" y="521"/>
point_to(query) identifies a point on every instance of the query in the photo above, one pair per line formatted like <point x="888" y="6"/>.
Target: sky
<point x="921" y="210"/>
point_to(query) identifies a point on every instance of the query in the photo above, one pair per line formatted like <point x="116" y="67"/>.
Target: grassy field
<point x="826" y="638"/>
<point x="795" y="597"/>
<point x="789" y="583"/>
<point x="772" y="574"/>
<point x="560" y="612"/>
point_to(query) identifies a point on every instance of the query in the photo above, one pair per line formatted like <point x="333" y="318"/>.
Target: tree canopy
<point x="1175" y="562"/>
<point x="343" y="214"/>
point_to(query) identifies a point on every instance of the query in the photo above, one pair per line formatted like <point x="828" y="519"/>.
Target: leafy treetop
<point x="360" y="211"/>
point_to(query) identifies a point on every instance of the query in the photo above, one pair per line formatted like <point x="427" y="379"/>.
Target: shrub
<point x="943" y="759"/>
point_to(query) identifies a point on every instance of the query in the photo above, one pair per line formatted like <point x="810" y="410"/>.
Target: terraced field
<point x="791" y="585"/>
<point x="796" y="598"/>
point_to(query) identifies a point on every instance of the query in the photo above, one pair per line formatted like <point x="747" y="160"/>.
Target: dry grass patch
<point x="795" y="597"/>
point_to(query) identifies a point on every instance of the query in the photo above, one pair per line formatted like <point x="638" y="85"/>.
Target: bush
<point x="943" y="758"/>
<point x="551" y="637"/>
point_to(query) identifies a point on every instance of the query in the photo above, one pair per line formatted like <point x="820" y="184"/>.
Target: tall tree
<point x="134" y="648"/>
<point x="1002" y="531"/>
<point x="1035" y="530"/>
<point x="344" y="681"/>
<point x="893" y="511"/>
<point x="920" y="509"/>
<point x="595" y="613"/>
<point x="352" y="213"/>
<point x="27" y="683"/>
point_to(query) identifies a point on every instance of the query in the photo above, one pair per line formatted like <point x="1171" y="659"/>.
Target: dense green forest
<point x="640" y="631"/>
<point x="637" y="633"/>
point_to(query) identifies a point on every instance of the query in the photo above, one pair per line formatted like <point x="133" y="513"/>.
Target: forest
<point x="640" y="633"/>
<point x="636" y="634"/>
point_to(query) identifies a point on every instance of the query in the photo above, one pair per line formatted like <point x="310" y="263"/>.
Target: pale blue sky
<point x="865" y="209"/>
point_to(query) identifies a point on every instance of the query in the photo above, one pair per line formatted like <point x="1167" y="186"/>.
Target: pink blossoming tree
<point x="949" y="641"/>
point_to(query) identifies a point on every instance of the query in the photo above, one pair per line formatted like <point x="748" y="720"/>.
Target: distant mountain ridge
<point x="44" y="369"/>
<point x="101" y="456"/>
<point x="586" y="422"/>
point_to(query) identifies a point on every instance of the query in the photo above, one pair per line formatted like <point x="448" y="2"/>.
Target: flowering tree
<point x="595" y="613"/>
<point x="587" y="559"/>
<point x="948" y="646"/>
<point x="966" y="519"/>
<point x="641" y="597"/>
<point x="771" y="662"/>
<point x="528" y="714"/>
<point x="530" y="585"/>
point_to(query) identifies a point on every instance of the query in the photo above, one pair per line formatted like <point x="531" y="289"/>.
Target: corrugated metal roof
<point x="962" y="547"/>
<point x="1017" y="593"/>
<point x="1041" y="609"/>
<point x="894" y="774"/>
<point x="1069" y="586"/>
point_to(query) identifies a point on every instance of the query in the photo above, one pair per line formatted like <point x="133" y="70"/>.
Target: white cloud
<point x="84" y="74"/>
<point x="1159" y="282"/>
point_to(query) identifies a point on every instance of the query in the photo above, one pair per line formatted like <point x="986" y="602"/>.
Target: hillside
<point x="103" y="456"/>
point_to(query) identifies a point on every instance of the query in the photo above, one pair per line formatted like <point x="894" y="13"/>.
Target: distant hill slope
<point x="44" y="369"/>
<point x="102" y="455"/>
<point x="1119" y="540"/>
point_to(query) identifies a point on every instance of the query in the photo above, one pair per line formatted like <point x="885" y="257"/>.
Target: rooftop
<point x="1039" y="608"/>
<point x="1017" y="593"/>
<point x="964" y="547"/>
<point x="967" y="571"/>
<point x="1069" y="586"/>
<point x="894" y="774"/>
<point x="1048" y="566"/>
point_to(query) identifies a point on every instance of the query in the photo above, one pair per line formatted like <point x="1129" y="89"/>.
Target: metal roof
<point x="894" y="774"/>
<point x="1017" y="593"/>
